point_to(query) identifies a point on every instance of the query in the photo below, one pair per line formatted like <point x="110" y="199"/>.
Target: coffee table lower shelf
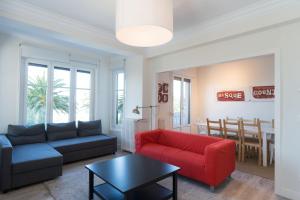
<point x="154" y="191"/>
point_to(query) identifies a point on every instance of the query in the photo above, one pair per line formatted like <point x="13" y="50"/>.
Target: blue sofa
<point x="33" y="154"/>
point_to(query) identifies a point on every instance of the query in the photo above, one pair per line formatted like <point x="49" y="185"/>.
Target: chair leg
<point x="259" y="157"/>
<point x="243" y="153"/>
<point x="212" y="188"/>
<point x="271" y="153"/>
<point x="239" y="152"/>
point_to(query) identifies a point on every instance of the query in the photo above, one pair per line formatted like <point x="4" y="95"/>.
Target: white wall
<point x="9" y="81"/>
<point x="282" y="39"/>
<point x="134" y="85"/>
<point x="164" y="111"/>
<point x="242" y="74"/>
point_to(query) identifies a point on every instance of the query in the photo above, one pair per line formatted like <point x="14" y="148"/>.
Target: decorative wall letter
<point x="163" y="90"/>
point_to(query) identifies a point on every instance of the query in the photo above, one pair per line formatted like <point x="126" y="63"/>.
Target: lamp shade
<point x="144" y="23"/>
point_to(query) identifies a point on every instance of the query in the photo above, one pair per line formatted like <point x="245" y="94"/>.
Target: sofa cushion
<point x="19" y="135"/>
<point x="154" y="150"/>
<point x="34" y="156"/>
<point x="189" y="162"/>
<point x="192" y="143"/>
<point x="90" y="128"/>
<point x="80" y="143"/>
<point x="59" y="131"/>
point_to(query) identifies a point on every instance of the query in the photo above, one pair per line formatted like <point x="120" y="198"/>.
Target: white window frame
<point x="114" y="97"/>
<point x="73" y="66"/>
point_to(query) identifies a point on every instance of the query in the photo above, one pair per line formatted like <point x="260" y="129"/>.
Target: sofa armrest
<point x="219" y="161"/>
<point x="145" y="137"/>
<point x="5" y="163"/>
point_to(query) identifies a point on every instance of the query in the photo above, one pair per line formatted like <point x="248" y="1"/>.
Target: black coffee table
<point x="132" y="177"/>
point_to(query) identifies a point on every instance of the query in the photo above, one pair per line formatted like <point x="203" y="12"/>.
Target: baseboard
<point x="288" y="193"/>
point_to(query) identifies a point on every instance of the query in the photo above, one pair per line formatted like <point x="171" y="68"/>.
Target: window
<point x="118" y="97"/>
<point x="57" y="93"/>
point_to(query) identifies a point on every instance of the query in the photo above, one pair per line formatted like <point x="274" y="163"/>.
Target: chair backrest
<point x="214" y="126"/>
<point x="228" y="119"/>
<point x="248" y="121"/>
<point x="232" y="127"/>
<point x="251" y="130"/>
<point x="269" y="123"/>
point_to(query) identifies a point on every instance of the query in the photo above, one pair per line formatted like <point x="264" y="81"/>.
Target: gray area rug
<point x="73" y="185"/>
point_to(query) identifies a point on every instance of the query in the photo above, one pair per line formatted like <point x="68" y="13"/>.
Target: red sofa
<point x="207" y="159"/>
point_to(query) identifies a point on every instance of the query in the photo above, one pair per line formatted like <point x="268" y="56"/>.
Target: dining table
<point x="267" y="132"/>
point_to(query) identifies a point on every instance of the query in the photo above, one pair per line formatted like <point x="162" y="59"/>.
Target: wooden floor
<point x="73" y="185"/>
<point x="250" y="166"/>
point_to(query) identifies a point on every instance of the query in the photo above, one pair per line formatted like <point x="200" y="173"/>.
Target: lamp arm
<point x="147" y="106"/>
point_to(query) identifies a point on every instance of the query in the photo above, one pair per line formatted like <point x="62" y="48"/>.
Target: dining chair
<point x="214" y="126"/>
<point x="252" y="138"/>
<point x="232" y="131"/>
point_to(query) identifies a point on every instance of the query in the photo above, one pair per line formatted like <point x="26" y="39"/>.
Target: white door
<point x="181" y="104"/>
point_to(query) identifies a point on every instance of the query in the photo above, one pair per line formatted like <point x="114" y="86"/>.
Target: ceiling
<point x="100" y="13"/>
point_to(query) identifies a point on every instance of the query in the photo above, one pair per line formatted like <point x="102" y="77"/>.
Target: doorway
<point x="248" y="75"/>
<point x="181" y="105"/>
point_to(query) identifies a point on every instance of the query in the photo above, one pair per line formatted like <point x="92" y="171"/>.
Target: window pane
<point x="186" y="102"/>
<point x="61" y="99"/>
<point x="120" y="80"/>
<point x="83" y="103"/>
<point x="83" y="93"/>
<point x="83" y="79"/>
<point x="176" y="102"/>
<point x="36" y="100"/>
<point x="61" y="94"/>
<point x="120" y="106"/>
<point x="62" y="77"/>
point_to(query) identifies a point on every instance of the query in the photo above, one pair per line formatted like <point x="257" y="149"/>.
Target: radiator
<point x="130" y="128"/>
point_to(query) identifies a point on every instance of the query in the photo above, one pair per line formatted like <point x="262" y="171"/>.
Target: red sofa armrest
<point x="219" y="161"/>
<point x="145" y="137"/>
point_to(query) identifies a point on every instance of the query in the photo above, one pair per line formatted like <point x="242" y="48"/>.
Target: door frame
<point x="277" y="102"/>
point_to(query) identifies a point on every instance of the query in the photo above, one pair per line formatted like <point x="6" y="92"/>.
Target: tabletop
<point x="129" y="172"/>
<point x="265" y="129"/>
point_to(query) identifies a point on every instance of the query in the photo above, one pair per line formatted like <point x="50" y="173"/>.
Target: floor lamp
<point x="137" y="111"/>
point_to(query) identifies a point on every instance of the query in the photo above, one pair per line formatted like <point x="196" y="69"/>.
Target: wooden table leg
<point x="91" y="185"/>
<point x="175" y="186"/>
<point x="265" y="149"/>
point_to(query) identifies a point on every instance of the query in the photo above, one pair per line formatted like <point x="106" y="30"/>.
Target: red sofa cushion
<point x="186" y="142"/>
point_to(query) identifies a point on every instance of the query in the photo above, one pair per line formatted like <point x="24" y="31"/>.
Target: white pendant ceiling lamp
<point x="144" y="23"/>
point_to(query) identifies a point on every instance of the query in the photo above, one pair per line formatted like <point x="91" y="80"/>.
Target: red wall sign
<point x="231" y="96"/>
<point x="263" y="92"/>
